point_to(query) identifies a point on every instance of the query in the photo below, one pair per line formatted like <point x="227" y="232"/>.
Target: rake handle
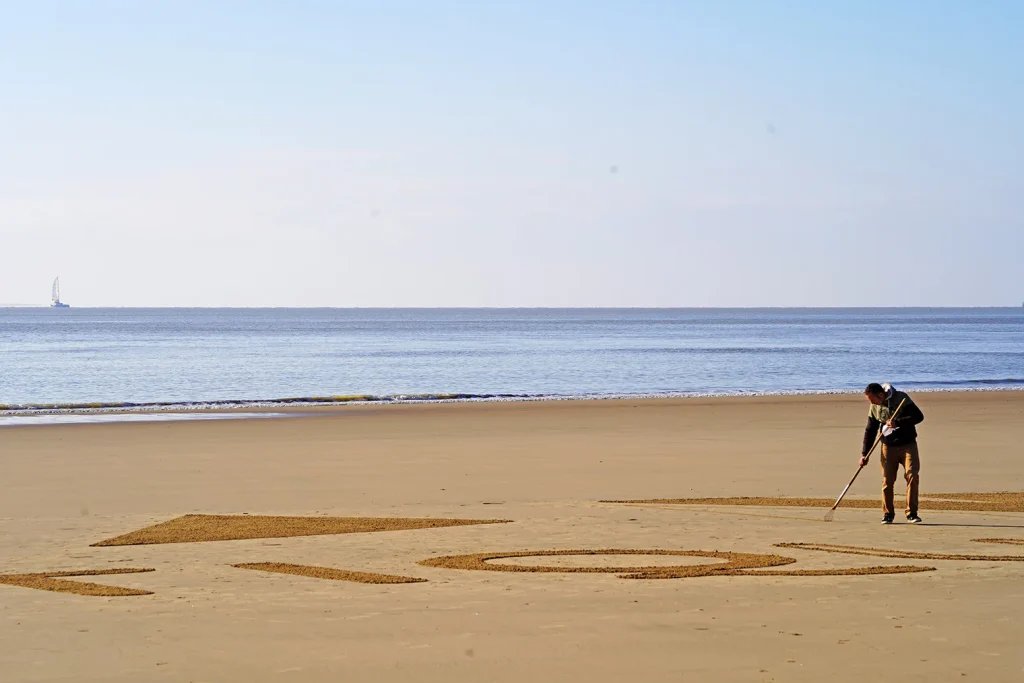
<point x="877" y="439"/>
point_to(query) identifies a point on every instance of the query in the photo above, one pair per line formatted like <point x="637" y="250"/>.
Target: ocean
<point x="80" y="359"/>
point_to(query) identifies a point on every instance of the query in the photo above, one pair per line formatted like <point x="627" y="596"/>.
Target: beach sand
<point x="546" y="466"/>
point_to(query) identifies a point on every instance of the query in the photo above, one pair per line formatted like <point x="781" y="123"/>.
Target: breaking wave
<point x="1010" y="384"/>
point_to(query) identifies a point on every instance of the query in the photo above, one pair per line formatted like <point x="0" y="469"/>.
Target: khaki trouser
<point x="892" y="458"/>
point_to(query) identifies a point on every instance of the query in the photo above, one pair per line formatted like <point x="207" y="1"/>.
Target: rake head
<point x="830" y="515"/>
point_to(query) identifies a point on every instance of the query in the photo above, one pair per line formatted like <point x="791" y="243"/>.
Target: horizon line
<point x="512" y="308"/>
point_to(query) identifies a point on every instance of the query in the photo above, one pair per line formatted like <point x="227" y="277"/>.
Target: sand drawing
<point x="905" y="554"/>
<point x="327" y="573"/>
<point x="1007" y="541"/>
<point x="735" y="564"/>
<point x="54" y="581"/>
<point x="201" y="528"/>
<point x="1006" y="501"/>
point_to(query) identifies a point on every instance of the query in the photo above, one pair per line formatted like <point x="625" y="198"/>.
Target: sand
<point x="545" y="466"/>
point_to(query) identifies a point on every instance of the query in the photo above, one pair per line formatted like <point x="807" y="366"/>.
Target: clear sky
<point x="527" y="153"/>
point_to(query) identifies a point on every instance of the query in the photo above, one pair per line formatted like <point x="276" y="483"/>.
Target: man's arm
<point x="909" y="415"/>
<point x="870" y="432"/>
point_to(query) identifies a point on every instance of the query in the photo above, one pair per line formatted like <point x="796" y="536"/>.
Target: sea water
<point x="71" y="357"/>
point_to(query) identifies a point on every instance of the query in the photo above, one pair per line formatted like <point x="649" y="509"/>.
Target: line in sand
<point x="901" y="554"/>
<point x="1004" y="501"/>
<point x="327" y="573"/>
<point x="203" y="528"/>
<point x="52" y="581"/>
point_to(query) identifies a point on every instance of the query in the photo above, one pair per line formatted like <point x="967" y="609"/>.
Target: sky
<point x="528" y="153"/>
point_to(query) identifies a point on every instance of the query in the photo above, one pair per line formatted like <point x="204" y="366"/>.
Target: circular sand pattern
<point x="731" y="564"/>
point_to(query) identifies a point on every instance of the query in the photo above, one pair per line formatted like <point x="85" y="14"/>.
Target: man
<point x="899" y="444"/>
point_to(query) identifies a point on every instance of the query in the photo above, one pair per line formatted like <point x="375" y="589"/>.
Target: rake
<point x="830" y="515"/>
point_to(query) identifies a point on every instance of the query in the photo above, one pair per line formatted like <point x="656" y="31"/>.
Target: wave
<point x="366" y="399"/>
<point x="241" y="403"/>
<point x="1009" y="381"/>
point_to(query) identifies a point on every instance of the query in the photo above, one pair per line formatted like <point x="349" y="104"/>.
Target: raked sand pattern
<point x="203" y="528"/>
<point x="905" y="554"/>
<point x="735" y="564"/>
<point x="1007" y="541"/>
<point x="1009" y="501"/>
<point x="327" y="573"/>
<point x="55" y="582"/>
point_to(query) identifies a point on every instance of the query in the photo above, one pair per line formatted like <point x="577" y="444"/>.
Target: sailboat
<point x="57" y="303"/>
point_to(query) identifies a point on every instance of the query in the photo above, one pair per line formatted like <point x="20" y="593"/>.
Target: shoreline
<point x="243" y="413"/>
<point x="291" y="405"/>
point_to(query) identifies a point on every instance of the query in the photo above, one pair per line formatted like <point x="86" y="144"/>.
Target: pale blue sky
<point x="315" y="153"/>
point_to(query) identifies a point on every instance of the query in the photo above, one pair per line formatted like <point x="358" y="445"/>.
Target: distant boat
<point x="57" y="303"/>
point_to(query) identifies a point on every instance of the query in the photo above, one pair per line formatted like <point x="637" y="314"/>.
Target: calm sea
<point x="145" y="356"/>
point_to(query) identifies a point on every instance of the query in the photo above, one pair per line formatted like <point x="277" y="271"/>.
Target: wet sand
<point x="546" y="466"/>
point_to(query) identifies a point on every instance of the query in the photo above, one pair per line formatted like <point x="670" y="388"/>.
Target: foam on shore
<point x="208" y="407"/>
<point x="94" y="417"/>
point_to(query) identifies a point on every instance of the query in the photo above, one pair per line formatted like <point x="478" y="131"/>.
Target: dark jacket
<point x="909" y="416"/>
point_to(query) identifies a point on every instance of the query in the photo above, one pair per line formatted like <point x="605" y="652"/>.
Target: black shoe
<point x="887" y="519"/>
<point x="913" y="518"/>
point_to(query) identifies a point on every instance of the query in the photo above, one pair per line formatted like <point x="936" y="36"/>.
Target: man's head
<point x="875" y="394"/>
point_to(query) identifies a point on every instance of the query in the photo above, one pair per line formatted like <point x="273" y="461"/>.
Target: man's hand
<point x="890" y="424"/>
<point x="863" y="460"/>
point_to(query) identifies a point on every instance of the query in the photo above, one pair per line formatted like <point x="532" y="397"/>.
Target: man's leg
<point x="890" y="468"/>
<point x="911" y="470"/>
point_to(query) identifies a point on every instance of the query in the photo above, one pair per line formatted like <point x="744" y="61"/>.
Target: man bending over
<point x="899" y="444"/>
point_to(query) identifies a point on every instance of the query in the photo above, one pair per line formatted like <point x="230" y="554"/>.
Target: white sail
<point x="55" y="294"/>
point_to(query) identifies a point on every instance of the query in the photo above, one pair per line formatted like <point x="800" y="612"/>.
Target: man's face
<point x="875" y="399"/>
